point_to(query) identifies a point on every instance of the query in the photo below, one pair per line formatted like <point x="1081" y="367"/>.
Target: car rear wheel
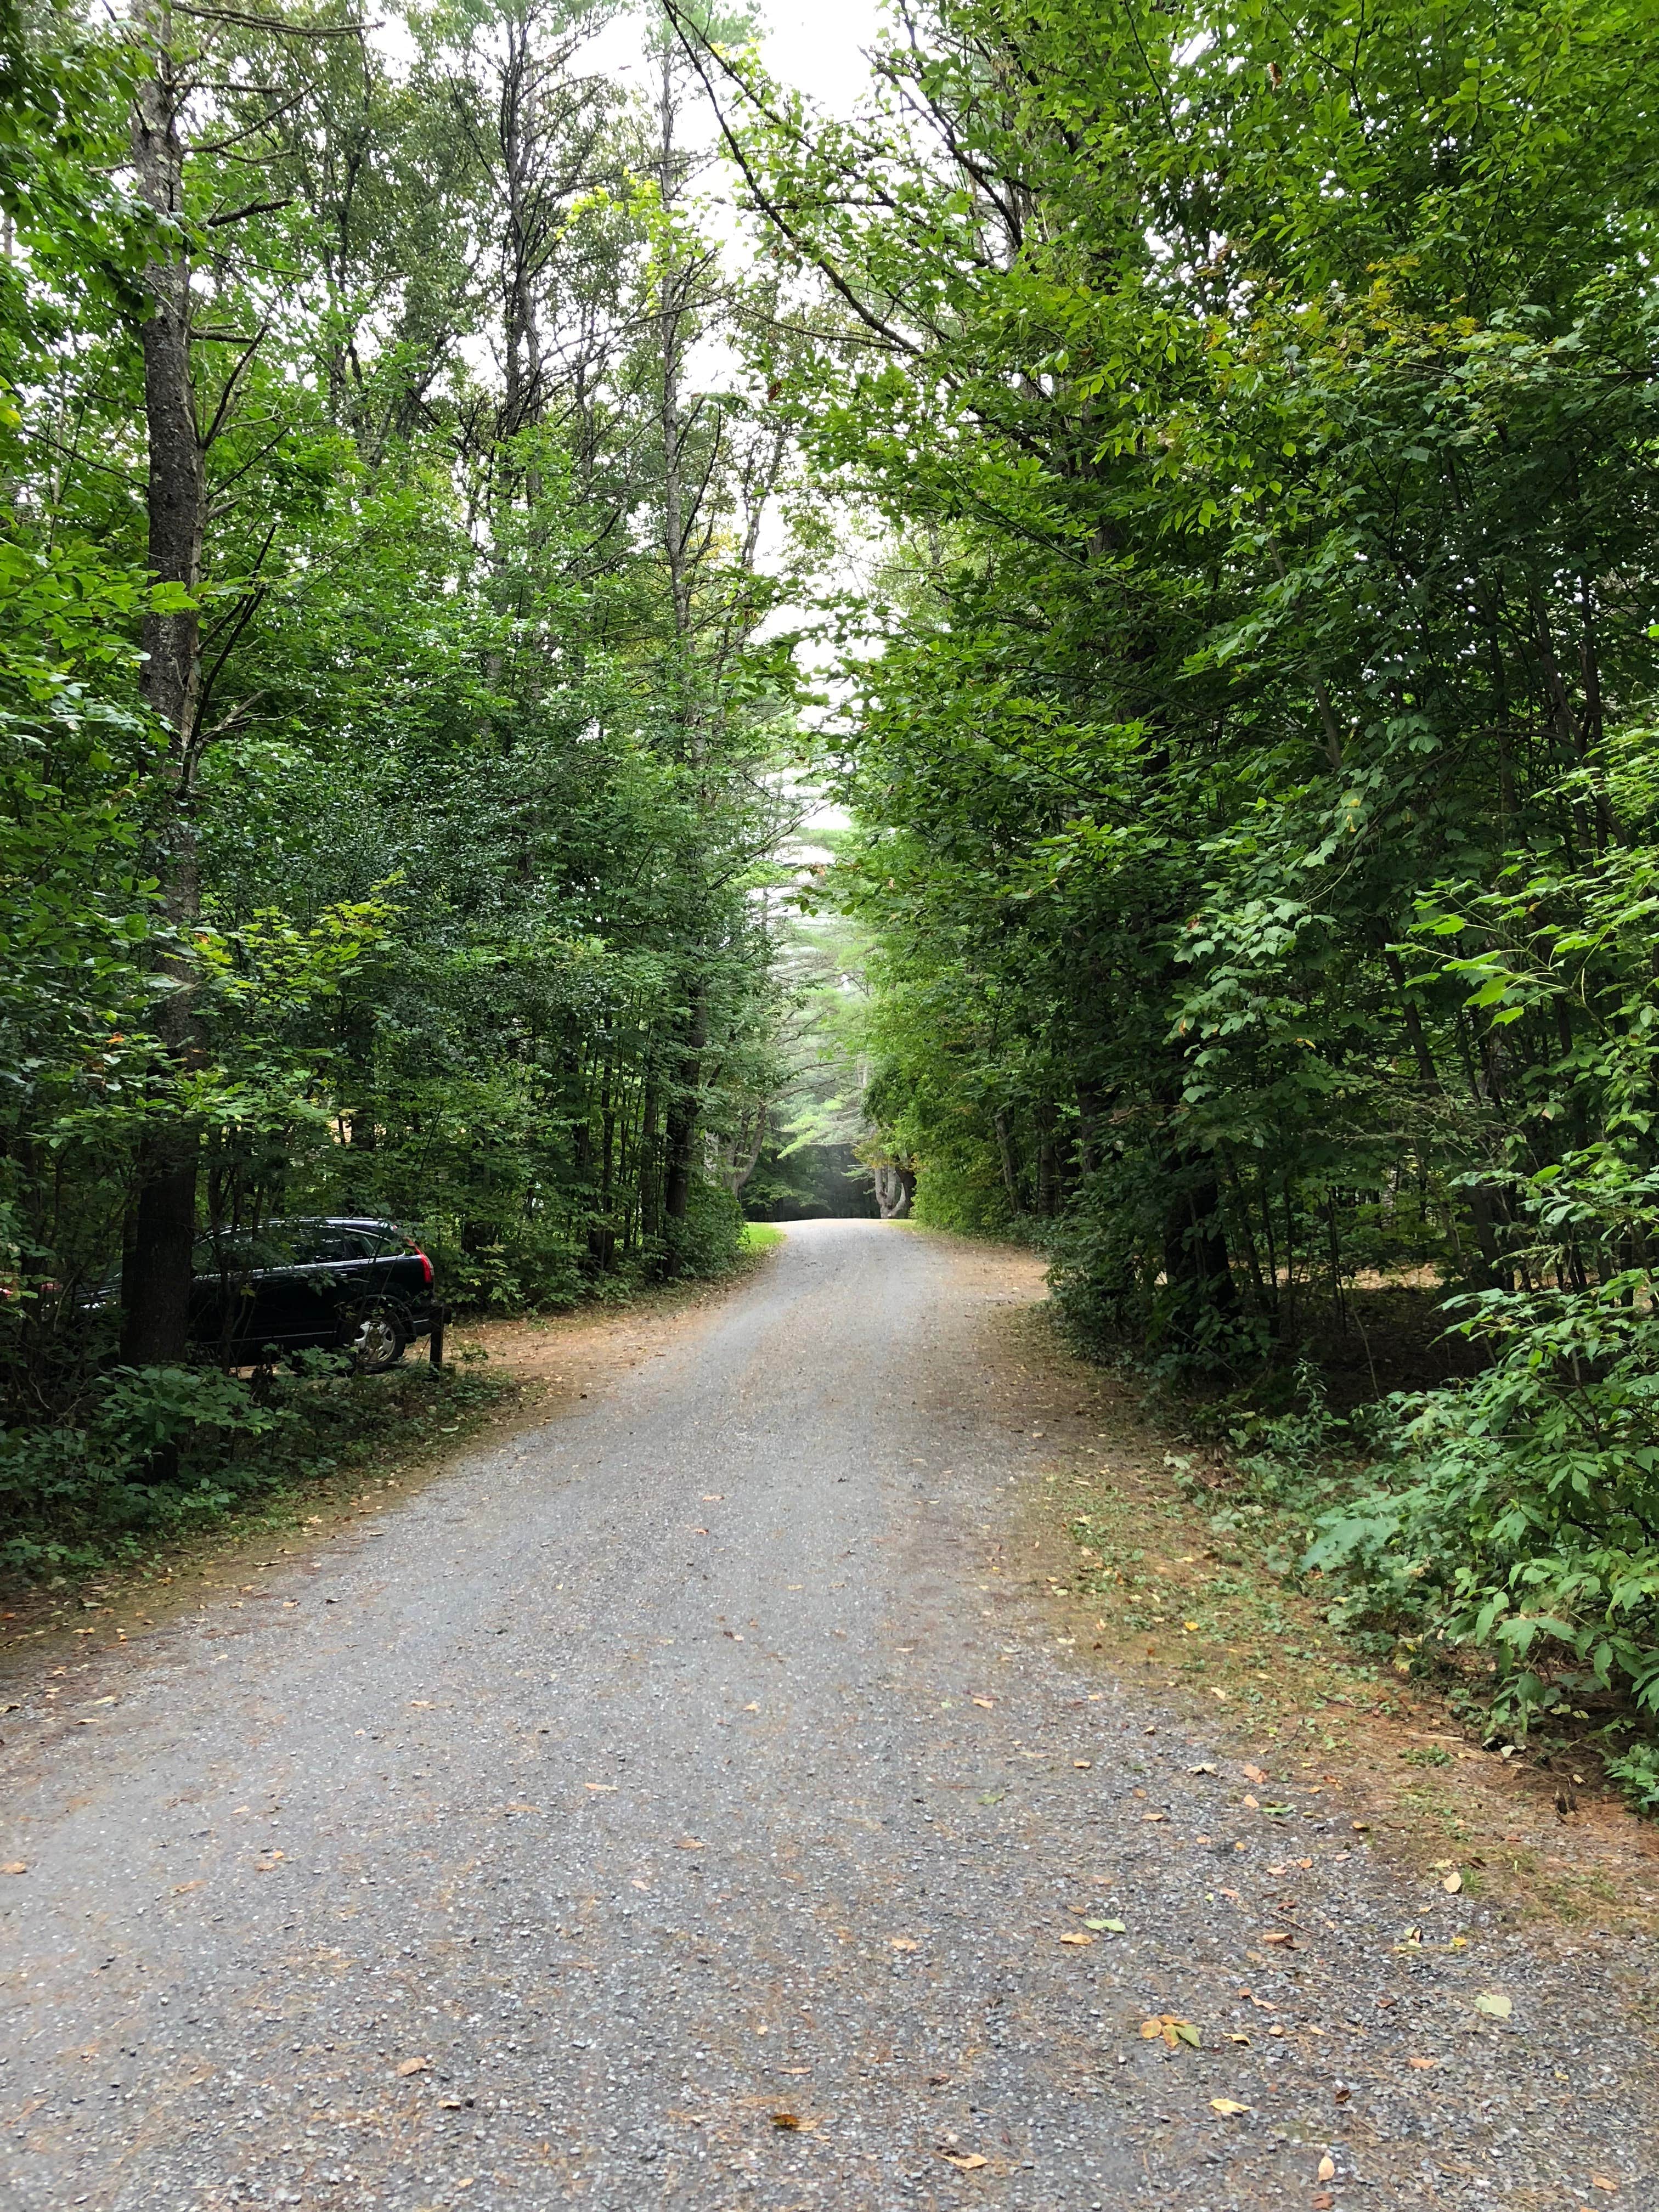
<point x="377" y="1339"/>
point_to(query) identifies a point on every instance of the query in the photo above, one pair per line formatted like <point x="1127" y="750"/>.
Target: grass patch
<point x="761" y="1236"/>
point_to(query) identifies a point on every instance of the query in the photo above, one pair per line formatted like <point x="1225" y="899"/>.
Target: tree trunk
<point x="682" y="1113"/>
<point x="155" y="1273"/>
<point x="1195" y="1246"/>
<point x="895" y="1188"/>
<point x="1005" y="1154"/>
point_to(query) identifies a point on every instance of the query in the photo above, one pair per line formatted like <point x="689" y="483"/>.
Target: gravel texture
<point x="672" y="1808"/>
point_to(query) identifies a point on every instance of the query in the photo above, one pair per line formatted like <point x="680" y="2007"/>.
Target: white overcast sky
<point x="819" y="48"/>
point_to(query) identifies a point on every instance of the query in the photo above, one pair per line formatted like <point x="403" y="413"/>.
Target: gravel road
<point x="689" y="1803"/>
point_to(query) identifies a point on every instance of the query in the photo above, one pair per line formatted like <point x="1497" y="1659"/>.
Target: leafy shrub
<point x="1520" y="1511"/>
<point x="709" y="1240"/>
<point x="1637" y="1773"/>
<point x="963" y="1192"/>
<point x="163" y="1450"/>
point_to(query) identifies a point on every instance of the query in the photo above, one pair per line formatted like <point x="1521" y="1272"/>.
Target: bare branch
<point x="269" y="23"/>
<point x="241" y="214"/>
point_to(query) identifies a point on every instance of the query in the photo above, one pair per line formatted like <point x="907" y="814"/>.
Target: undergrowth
<point x="1492" y="1538"/>
<point x="164" y="1454"/>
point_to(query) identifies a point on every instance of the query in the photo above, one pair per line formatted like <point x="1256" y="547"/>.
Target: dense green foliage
<point x="1256" y="775"/>
<point x="429" y="889"/>
<point x="1247" y="718"/>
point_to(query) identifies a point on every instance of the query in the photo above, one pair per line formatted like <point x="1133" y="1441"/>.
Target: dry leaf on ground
<point x="16" y="1866"/>
<point x="1172" y="2028"/>
<point x="1072" y="1936"/>
<point x="416" y="2066"/>
<point x="904" y="1943"/>
<point x="1327" y="2168"/>
<point x="1228" y="2106"/>
<point x="965" y="2161"/>
<point x="1494" y="2004"/>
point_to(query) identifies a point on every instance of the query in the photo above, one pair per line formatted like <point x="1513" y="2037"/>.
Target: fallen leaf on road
<point x="598" y="1785"/>
<point x="1601" y="2181"/>
<point x="1107" y="1927"/>
<point x="449" y="2104"/>
<point x="1229" y="2105"/>
<point x="788" y="2121"/>
<point x="1083" y="1762"/>
<point x="904" y="1943"/>
<point x="1154" y="1816"/>
<point x="16" y="1866"/>
<point x="1422" y="2065"/>
<point x="986" y="1702"/>
<point x="1327" y="2168"/>
<point x="421" y="1704"/>
<point x="1239" y="2038"/>
<point x="183" y="1889"/>
<point x="685" y="1843"/>
<point x="1453" y="1882"/>
<point x="416" y="2066"/>
<point x="1494" y="2004"/>
<point x="1254" y="1774"/>
<point x="751" y="1708"/>
<point x="1172" y="2028"/>
<point x="1072" y="1936"/>
<point x="1204" y="1767"/>
<point x="1323" y="2201"/>
<point x="964" y="2162"/>
<point x="713" y="1497"/>
<point x="1281" y="1936"/>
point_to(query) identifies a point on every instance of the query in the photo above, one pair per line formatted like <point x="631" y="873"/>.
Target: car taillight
<point x="426" y="1264"/>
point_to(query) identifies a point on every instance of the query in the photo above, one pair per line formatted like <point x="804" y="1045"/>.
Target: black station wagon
<point x="344" y="1284"/>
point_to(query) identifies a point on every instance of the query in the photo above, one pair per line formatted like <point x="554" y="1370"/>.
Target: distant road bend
<point x="670" y="1807"/>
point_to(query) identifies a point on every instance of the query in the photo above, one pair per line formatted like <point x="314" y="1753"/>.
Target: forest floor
<point x="712" y="1790"/>
<point x="1133" y="1572"/>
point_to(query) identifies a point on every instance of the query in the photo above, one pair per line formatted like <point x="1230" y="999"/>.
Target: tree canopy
<point x="1244" y="714"/>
